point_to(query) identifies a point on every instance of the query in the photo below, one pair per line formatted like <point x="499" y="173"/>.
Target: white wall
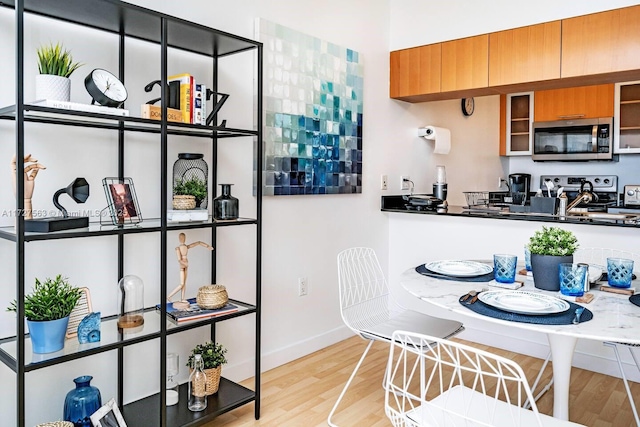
<point x="302" y="234"/>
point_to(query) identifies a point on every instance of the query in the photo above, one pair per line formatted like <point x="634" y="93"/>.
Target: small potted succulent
<point x="189" y="193"/>
<point x="213" y="357"/>
<point x="47" y="309"/>
<point x="55" y="66"/>
<point x="550" y="247"/>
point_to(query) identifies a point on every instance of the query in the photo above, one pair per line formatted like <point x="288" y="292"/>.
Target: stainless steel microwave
<point x="573" y="140"/>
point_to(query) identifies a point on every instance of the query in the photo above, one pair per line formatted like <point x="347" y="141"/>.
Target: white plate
<point x="459" y="268"/>
<point x="524" y="302"/>
<point x="595" y="272"/>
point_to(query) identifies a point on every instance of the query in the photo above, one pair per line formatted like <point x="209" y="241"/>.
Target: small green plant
<point x="191" y="187"/>
<point x="212" y="355"/>
<point x="553" y="241"/>
<point x="54" y="299"/>
<point x="56" y="60"/>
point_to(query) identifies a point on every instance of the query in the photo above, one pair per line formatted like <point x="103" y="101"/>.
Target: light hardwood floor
<point x="301" y="393"/>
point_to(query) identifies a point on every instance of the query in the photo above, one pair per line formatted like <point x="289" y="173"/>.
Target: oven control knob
<point x="556" y="180"/>
<point x="606" y="181"/>
<point x="630" y="193"/>
<point x="597" y="180"/>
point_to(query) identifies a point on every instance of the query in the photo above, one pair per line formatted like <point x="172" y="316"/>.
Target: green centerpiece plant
<point x="550" y="247"/>
<point x="553" y="241"/>
<point x="47" y="309"/>
<point x="213" y="357"/>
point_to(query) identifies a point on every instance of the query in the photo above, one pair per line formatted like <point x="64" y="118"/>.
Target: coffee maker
<point x="519" y="184"/>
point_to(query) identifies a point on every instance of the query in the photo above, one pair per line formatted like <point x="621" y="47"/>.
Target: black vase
<point x="225" y="206"/>
<point x="545" y="270"/>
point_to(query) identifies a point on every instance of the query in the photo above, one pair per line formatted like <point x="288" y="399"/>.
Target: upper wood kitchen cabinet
<point x="599" y="43"/>
<point x="465" y="64"/>
<point x="583" y="102"/>
<point x="415" y="71"/>
<point x="526" y="54"/>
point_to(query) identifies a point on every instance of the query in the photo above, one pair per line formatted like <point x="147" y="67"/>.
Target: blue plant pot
<point x="81" y="402"/>
<point x="47" y="336"/>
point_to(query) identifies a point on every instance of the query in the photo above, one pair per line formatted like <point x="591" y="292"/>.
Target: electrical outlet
<point x="383" y="182"/>
<point x="404" y="182"/>
<point x="303" y="286"/>
<point x="500" y="182"/>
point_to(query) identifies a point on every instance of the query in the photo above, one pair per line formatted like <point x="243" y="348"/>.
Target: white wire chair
<point x="598" y="256"/>
<point x="369" y="310"/>
<point x="436" y="382"/>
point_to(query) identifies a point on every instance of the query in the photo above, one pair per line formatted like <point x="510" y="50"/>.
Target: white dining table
<point x="615" y="319"/>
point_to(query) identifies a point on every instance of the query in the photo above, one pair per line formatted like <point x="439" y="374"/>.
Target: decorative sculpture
<point x="181" y="253"/>
<point x="30" y="172"/>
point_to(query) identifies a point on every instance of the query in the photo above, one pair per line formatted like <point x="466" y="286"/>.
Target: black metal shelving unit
<point x="130" y="21"/>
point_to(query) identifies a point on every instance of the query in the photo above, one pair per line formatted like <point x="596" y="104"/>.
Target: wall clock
<point x="468" y="105"/>
<point x="105" y="88"/>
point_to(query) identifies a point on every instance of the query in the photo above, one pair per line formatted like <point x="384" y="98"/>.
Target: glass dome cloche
<point x="130" y="302"/>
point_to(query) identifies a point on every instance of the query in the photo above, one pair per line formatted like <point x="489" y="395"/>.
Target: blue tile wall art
<point x="312" y="114"/>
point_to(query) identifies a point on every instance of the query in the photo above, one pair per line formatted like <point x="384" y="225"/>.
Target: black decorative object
<point x="78" y="190"/>
<point x="217" y="104"/>
<point x="192" y="167"/>
<point x="174" y="93"/>
<point x="225" y="206"/>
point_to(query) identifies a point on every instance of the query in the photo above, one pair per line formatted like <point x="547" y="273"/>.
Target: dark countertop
<point x="397" y="204"/>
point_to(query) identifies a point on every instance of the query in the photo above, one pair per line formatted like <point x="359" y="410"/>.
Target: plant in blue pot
<point x="47" y="309"/>
<point x="82" y="402"/>
<point x="550" y="247"/>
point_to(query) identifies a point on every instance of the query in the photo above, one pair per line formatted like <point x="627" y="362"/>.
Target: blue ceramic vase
<point x="81" y="402"/>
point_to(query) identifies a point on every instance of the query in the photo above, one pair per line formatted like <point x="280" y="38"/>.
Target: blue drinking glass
<point x="619" y="272"/>
<point x="504" y="268"/>
<point x="572" y="277"/>
<point x="527" y="258"/>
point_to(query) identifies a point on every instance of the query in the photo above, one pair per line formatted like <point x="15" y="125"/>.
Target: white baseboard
<point x="275" y="358"/>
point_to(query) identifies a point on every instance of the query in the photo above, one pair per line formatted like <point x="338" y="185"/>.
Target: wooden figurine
<point x="30" y="172"/>
<point x="181" y="253"/>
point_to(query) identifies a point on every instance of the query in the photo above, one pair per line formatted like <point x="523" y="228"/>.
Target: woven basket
<point x="212" y="296"/>
<point x="184" y="202"/>
<point x="212" y="384"/>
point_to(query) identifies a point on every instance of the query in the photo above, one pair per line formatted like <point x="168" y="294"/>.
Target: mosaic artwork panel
<point x="312" y="114"/>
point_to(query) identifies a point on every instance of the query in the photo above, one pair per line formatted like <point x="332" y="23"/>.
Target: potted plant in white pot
<point x="549" y="247"/>
<point x="47" y="309"/>
<point x="213" y="357"/>
<point x="55" y="65"/>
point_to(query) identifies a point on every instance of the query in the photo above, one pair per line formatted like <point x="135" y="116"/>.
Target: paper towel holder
<point x="425" y="131"/>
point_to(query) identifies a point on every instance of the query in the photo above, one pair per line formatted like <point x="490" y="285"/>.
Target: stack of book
<point x="195" y="312"/>
<point x="193" y="99"/>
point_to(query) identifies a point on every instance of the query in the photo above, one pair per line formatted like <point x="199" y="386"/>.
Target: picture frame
<point x="108" y="416"/>
<point x="82" y="308"/>
<point x="122" y="201"/>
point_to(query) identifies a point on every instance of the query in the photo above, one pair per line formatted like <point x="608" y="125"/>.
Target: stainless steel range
<point x="603" y="187"/>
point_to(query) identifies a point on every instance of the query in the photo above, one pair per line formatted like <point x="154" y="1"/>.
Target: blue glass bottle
<point x="81" y="402"/>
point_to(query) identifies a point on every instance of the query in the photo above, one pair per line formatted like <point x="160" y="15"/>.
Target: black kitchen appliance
<point x="519" y="184"/>
<point x="422" y="202"/>
<point x="573" y="140"/>
<point x="603" y="187"/>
